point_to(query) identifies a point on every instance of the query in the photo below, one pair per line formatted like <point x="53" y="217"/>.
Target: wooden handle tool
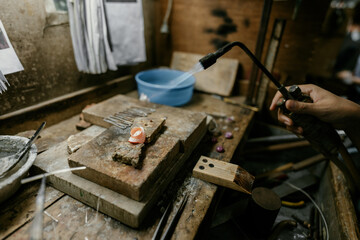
<point x="224" y="174"/>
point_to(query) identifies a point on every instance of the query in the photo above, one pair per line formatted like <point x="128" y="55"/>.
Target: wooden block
<point x="218" y="79"/>
<point x="129" y="154"/>
<point x="224" y="174"/>
<point x="118" y="206"/>
<point x="133" y="154"/>
<point x="75" y="141"/>
<point x="180" y="123"/>
<point x="97" y="156"/>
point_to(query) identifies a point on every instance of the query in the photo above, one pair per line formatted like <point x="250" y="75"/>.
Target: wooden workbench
<point x="67" y="218"/>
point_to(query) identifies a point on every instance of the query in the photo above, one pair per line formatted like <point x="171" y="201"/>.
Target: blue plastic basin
<point x="159" y="88"/>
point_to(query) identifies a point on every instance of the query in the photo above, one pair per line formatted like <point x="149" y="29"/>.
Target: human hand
<point x="340" y="112"/>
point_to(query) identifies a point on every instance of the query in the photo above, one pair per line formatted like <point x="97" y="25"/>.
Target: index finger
<point x="276" y="98"/>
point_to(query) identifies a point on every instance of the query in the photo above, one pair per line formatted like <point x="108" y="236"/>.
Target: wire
<point x="317" y="207"/>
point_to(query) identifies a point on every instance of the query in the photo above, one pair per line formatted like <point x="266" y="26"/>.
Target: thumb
<point x="299" y="107"/>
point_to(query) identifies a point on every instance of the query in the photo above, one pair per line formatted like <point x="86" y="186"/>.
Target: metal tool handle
<point x="162" y="222"/>
<point x="171" y="227"/>
<point x="24" y="150"/>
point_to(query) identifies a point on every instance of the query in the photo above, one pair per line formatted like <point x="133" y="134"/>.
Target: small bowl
<point x="10" y="183"/>
<point x="165" y="86"/>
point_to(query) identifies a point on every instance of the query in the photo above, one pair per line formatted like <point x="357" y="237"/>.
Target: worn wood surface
<point x="349" y="228"/>
<point x="118" y="206"/>
<point x="72" y="219"/>
<point x="76" y="220"/>
<point x="75" y="141"/>
<point x="97" y="156"/>
<point x="16" y="212"/>
<point x="218" y="79"/>
<point x="152" y="126"/>
<point x="197" y="207"/>
<point x="225" y="118"/>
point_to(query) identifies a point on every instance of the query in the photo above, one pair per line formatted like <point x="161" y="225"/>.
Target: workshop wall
<point x="42" y="42"/>
<point x="202" y="26"/>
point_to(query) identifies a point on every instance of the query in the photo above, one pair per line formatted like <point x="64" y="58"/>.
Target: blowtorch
<point x="322" y="136"/>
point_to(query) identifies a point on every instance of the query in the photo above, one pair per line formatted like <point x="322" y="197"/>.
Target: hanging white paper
<point x="126" y="29"/>
<point x="9" y="62"/>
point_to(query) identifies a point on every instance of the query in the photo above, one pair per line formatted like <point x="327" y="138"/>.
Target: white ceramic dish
<point x="10" y="183"/>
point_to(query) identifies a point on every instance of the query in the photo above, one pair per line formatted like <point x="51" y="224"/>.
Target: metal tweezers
<point x="171" y="227"/>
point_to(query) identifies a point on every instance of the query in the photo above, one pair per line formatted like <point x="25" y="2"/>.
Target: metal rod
<point x="259" y="48"/>
<point x="269" y="62"/>
<point x="276" y="138"/>
<point x="171" y="227"/>
<point x="162" y="222"/>
<point x="36" y="232"/>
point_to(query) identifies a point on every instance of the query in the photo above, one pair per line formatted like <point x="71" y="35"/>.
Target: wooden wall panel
<point x="298" y="45"/>
<point x="191" y="20"/>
